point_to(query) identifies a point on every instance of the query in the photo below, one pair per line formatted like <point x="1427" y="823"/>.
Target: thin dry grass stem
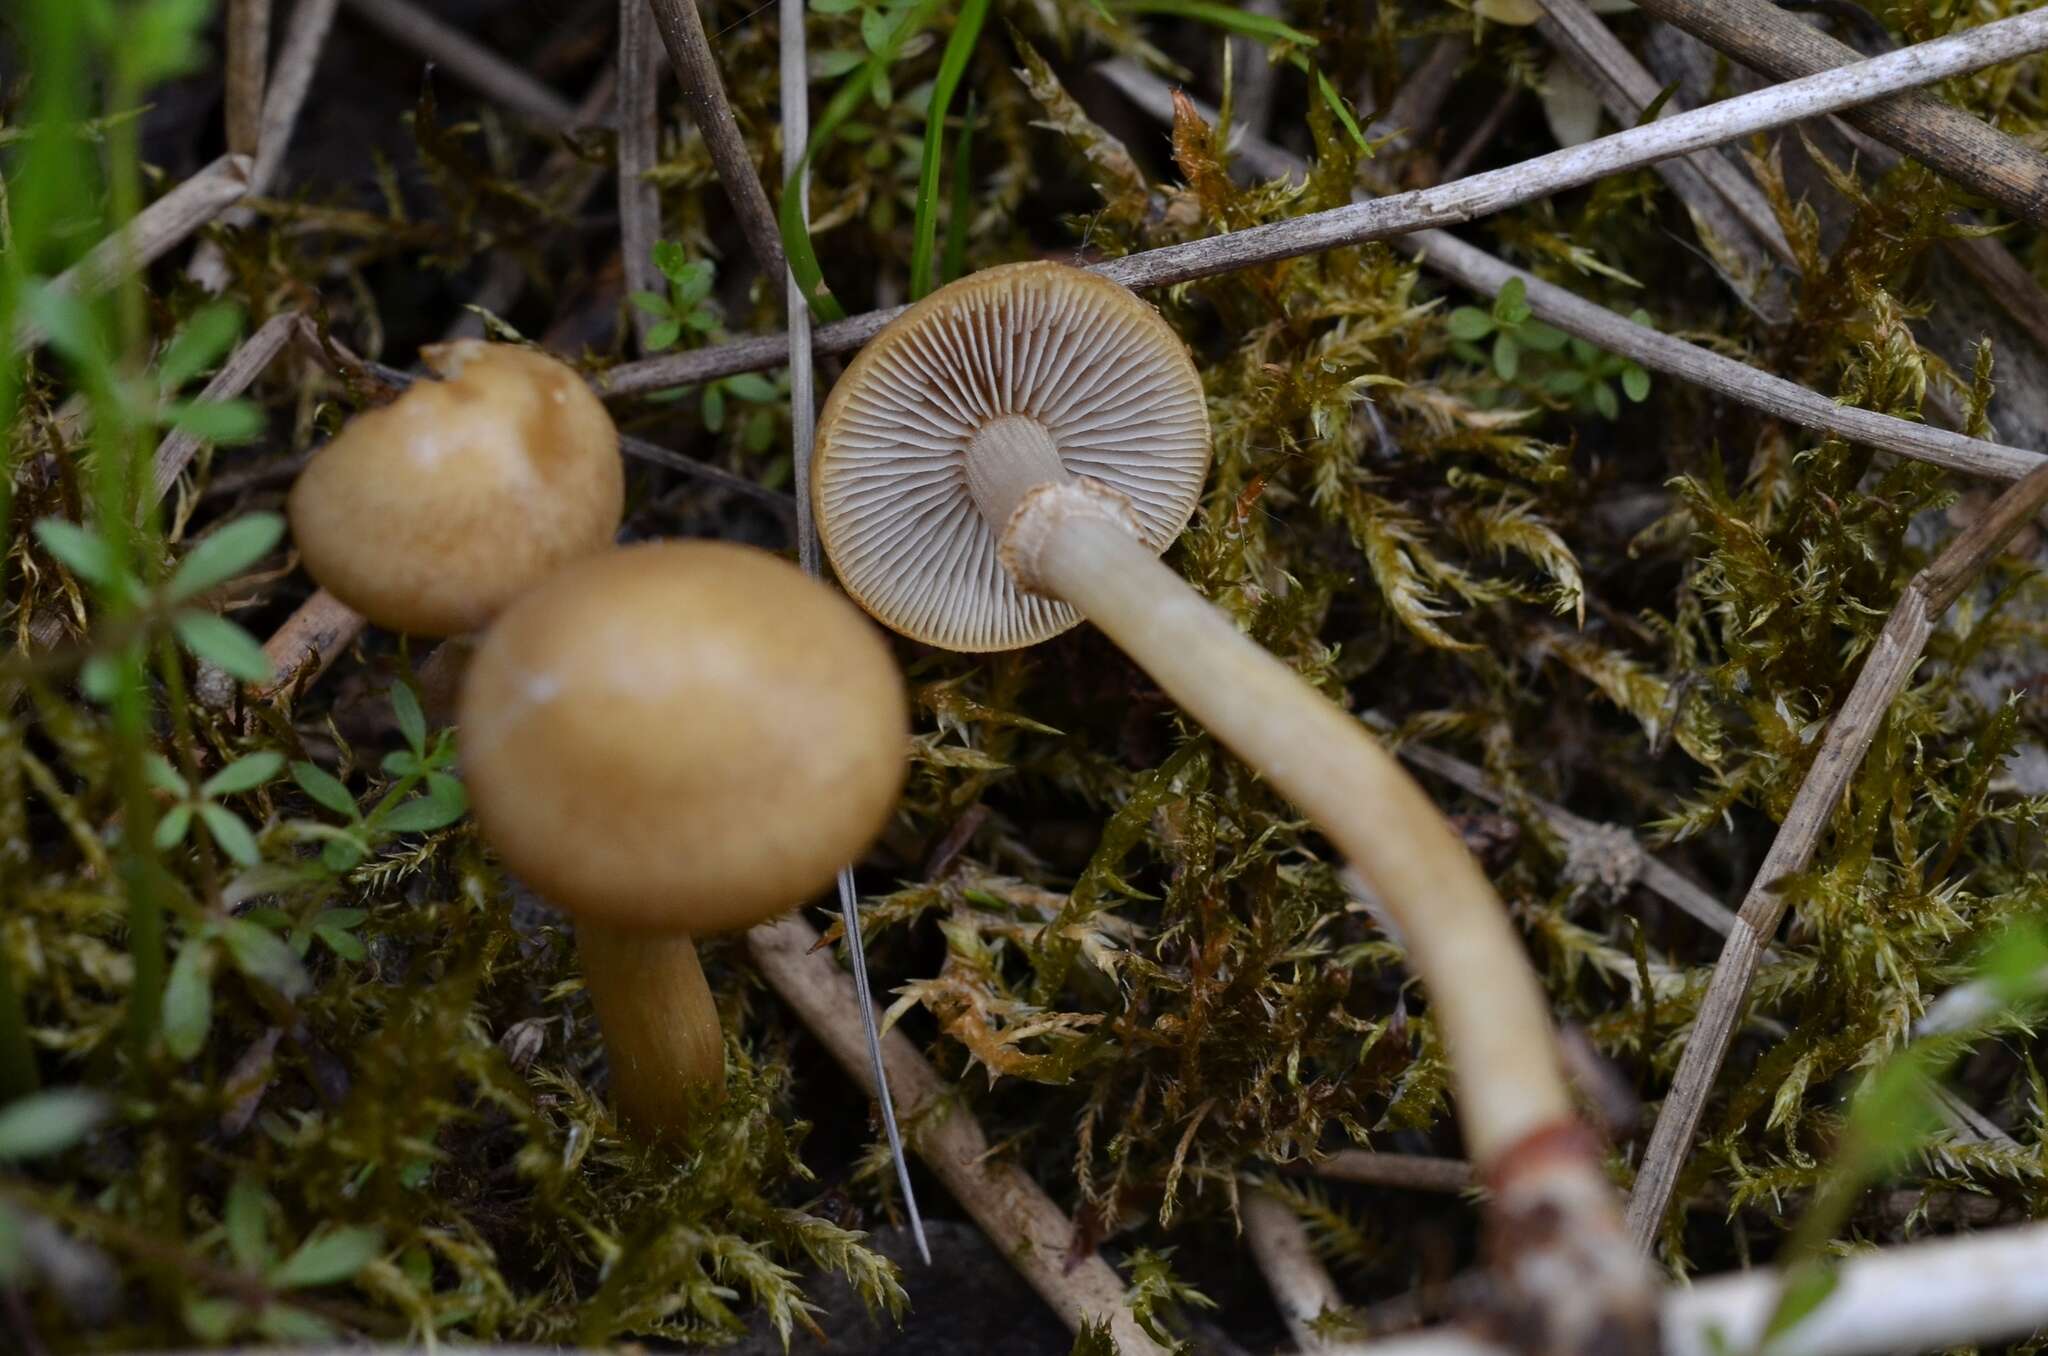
<point x="1722" y="200"/>
<point x="639" y="150"/>
<point x="248" y="32"/>
<point x="1301" y="1286"/>
<point x="1413" y="1172"/>
<point x="1885" y="673"/>
<point x="1967" y="1291"/>
<point x="1482" y="136"/>
<point x="1939" y="135"/>
<point x="1580" y="835"/>
<point x="1409" y="213"/>
<point x="1470" y="266"/>
<point x="1413" y="113"/>
<point x="242" y="367"/>
<point x="689" y="51"/>
<point x="497" y="79"/>
<point x="1025" y="1224"/>
<point x="155" y="231"/>
<point x="285" y="95"/>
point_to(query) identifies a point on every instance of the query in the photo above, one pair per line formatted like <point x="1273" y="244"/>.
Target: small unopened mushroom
<point x="1012" y="454"/>
<point x="669" y="740"/>
<point x="430" y="514"/>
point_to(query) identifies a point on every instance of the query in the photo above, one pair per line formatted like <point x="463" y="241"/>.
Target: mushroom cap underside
<point x="1100" y="369"/>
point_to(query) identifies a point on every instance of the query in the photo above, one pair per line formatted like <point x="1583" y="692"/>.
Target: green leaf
<point x="1806" y="1288"/>
<point x="834" y="6"/>
<point x="832" y="65"/>
<point x="212" y="1320"/>
<point x="12" y="1255"/>
<point x="1507" y="356"/>
<point x="412" y="722"/>
<point x="668" y="256"/>
<point x="244" y="774"/>
<point x="340" y="854"/>
<point x="924" y="229"/>
<point x="326" y="789"/>
<point x="208" y="335"/>
<point x="230" y="834"/>
<point x="693" y="281"/>
<point x="45" y="1123"/>
<point x="1341" y="110"/>
<point x="1511" y="307"/>
<point x="215" y="421"/>
<point x="1635" y="383"/>
<point x="283" y="1323"/>
<point x="82" y="551"/>
<point x="223" y="554"/>
<point x="330" y="1256"/>
<point x="424" y="813"/>
<point x="263" y="956"/>
<point x="1540" y="337"/>
<point x="1604" y="401"/>
<point x="161" y="775"/>
<point x="752" y="386"/>
<point x="170" y="830"/>
<point x="222" y="644"/>
<point x="99" y="678"/>
<point x="1470" y="323"/>
<point x="188" y="997"/>
<point x="664" y="334"/>
<point x="714" y="407"/>
<point x="654" y="303"/>
<point x="343" y="944"/>
<point x="246" y="1217"/>
<point x="875" y="28"/>
<point x="69" y="324"/>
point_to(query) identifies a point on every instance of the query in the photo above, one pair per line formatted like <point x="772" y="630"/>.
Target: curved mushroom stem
<point x="1074" y="541"/>
<point x="660" y="1025"/>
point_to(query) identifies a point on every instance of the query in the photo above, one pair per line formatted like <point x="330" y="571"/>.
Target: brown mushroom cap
<point x="1103" y="374"/>
<point x="432" y="513"/>
<point x="686" y="736"/>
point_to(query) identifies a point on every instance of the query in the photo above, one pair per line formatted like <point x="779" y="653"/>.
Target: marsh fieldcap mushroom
<point x="1014" y="452"/>
<point x="432" y="513"/>
<point x="674" y="739"/>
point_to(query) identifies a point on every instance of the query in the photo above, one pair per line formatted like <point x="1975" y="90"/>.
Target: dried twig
<point x="1885" y="673"/>
<point x="1494" y="191"/>
<point x="1416" y="104"/>
<point x="1301" y="1285"/>
<point x="639" y="138"/>
<point x="1415" y="1172"/>
<point x="689" y="51"/>
<point x="491" y="75"/>
<point x="242" y="367"/>
<point x="1444" y="253"/>
<point x="248" y="31"/>
<point x="1024" y="1223"/>
<point x="1939" y="135"/>
<point x="302" y="649"/>
<point x="1724" y="202"/>
<point x="289" y="80"/>
<point x="155" y="230"/>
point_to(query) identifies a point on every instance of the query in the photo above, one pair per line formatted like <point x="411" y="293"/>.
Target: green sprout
<point x="687" y="306"/>
<point x="1589" y="376"/>
<point x="202" y="803"/>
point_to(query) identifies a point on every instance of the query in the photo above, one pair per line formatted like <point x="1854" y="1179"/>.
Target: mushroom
<point x="1012" y="454"/>
<point x="430" y="514"/>
<point x="674" y="739"/>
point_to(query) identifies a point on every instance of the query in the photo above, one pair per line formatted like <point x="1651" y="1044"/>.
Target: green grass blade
<point x="1227" y="17"/>
<point x="963" y="187"/>
<point x="959" y="50"/>
<point x="796" y="236"/>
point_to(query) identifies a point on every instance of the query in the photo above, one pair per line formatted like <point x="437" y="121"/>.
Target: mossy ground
<point x="358" y="1090"/>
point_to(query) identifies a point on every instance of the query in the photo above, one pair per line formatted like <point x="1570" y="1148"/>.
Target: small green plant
<point x="329" y="1255"/>
<point x="1578" y="372"/>
<point x="424" y="762"/>
<point x="202" y="803"/>
<point x="688" y="307"/>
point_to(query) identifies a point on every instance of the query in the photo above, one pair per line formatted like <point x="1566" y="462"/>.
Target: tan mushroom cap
<point x="684" y="736"/>
<point x="432" y="513"/>
<point x="1099" y="369"/>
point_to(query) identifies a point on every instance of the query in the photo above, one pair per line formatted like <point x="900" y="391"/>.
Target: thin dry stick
<point x="302" y="649"/>
<point x="292" y="76"/>
<point x="242" y="367"/>
<point x="1721" y="199"/>
<point x="1483" y="135"/>
<point x="1885" y="673"/>
<point x="639" y="139"/>
<point x="155" y="230"/>
<point x="248" y="25"/>
<point x="1939" y="135"/>
<point x="1444" y="253"/>
<point x="1301" y="1286"/>
<point x="483" y="70"/>
<point x="689" y="51"/>
<point x="803" y="428"/>
<point x="1023" y="1222"/>
<point x="1463" y="200"/>
<point x="1416" y="1172"/>
<point x="1421" y="96"/>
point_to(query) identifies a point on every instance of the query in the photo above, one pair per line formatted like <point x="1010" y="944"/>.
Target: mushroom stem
<point x="1006" y="459"/>
<point x="660" y="1025"/>
<point x="1073" y="541"/>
